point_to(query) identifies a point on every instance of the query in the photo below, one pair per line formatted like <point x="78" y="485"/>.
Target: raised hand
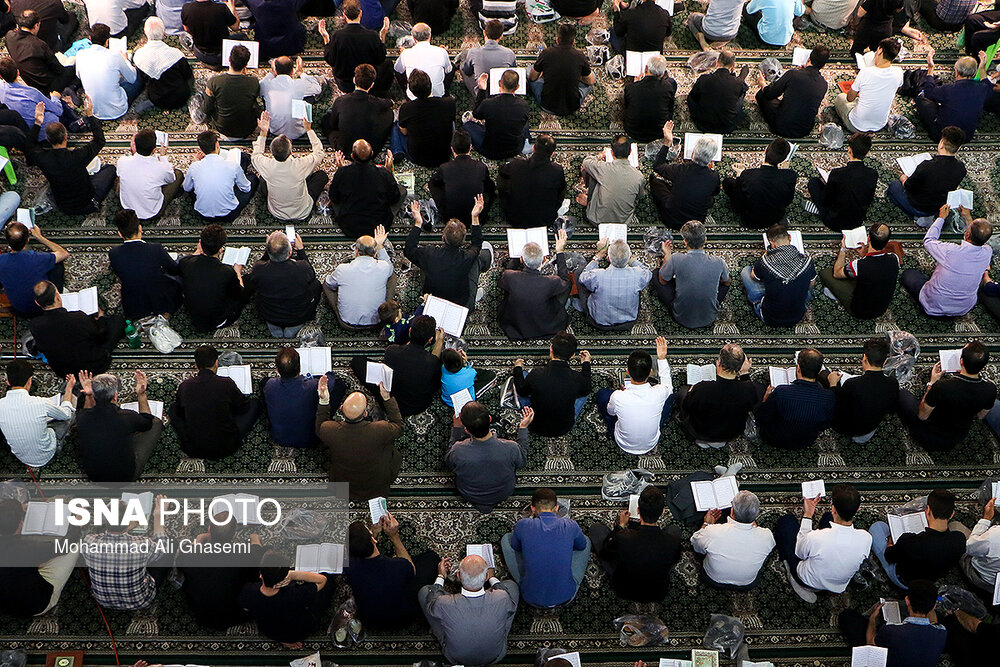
<point x="141" y="383"/>
<point x="477" y="209"/>
<point x="528" y="417"/>
<point x="560" y="241"/>
<point x="322" y="388"/>
<point x="380" y="236"/>
<point x="661" y="347"/>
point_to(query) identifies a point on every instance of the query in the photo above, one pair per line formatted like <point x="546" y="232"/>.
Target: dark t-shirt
<point x="212" y="592"/>
<point x="286" y="617"/>
<point x="104" y="438"/>
<point x="927" y="555"/>
<point x="863" y="402"/>
<point x="429" y="124"/>
<point x="381" y="588"/>
<point x="912" y="645"/>
<point x="208" y="23"/>
<point x="957" y="400"/>
<point x="784" y="301"/>
<point x="562" y="67"/>
<point x="718" y="410"/>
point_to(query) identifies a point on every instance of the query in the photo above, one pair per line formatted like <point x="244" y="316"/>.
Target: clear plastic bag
<point x="903" y="352"/>
<point x="831" y="135"/>
<point x="703" y="61"/>
<point x="230" y="358"/>
<point x="598" y="55"/>
<point x="16" y="658"/>
<point x="398" y="29"/>
<point x="15" y="490"/>
<point x="953" y="598"/>
<point x="303" y="525"/>
<point x="983" y="495"/>
<point x="913" y="506"/>
<point x="162" y="336"/>
<point x="771" y="69"/>
<point x="724" y="634"/>
<point x="196" y="108"/>
<point x="654" y="237"/>
<point x="637" y="630"/>
<point x="615" y="67"/>
<point x="901" y="128"/>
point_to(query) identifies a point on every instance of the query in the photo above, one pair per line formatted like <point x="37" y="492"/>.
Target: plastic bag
<point x="903" y="352"/>
<point x="615" y="67"/>
<point x="565" y="222"/>
<point x="952" y="598"/>
<point x="654" y="237"/>
<point x="725" y="633"/>
<point x="901" y="128"/>
<point x="831" y="135"/>
<point x="162" y="336"/>
<point x="15" y="490"/>
<point x="312" y="338"/>
<point x="230" y="358"/>
<point x="639" y="630"/>
<point x="196" y="108"/>
<point x="598" y="55"/>
<point x="16" y="658"/>
<point x="913" y="506"/>
<point x="405" y="42"/>
<point x="597" y="37"/>
<point x="303" y="524"/>
<point x="652" y="149"/>
<point x="771" y="69"/>
<point x="398" y="29"/>
<point x="703" y="61"/>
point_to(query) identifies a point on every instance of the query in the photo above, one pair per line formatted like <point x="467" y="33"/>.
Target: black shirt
<point x="234" y="103"/>
<point x="446" y="268"/>
<point x="25" y="592"/>
<point x="932" y="180"/>
<point x="435" y="13"/>
<point x="208" y="24"/>
<point x="784" y="299"/>
<point x="50" y="14"/>
<point x="429" y="124"/>
<point x="455" y="184"/>
<point x="382" y="591"/>
<point x="802" y="90"/>
<point x="66" y="169"/>
<point x="644" y="26"/>
<point x="957" y="400"/>
<point x="875" y="284"/>
<point x="649" y="104"/>
<point x="358" y="115"/>
<point x="531" y="191"/>
<point x="764" y="194"/>
<point x="927" y="555"/>
<point x="104" y="438"/>
<point x="173" y="88"/>
<point x="287" y="292"/>
<point x="36" y="61"/>
<point x="562" y="67"/>
<point x="211" y="592"/>
<point x="863" y="402"/>
<point x="795" y="414"/>
<point x="641" y="558"/>
<point x="145" y="272"/>
<point x="849" y="192"/>
<point x="289" y="616"/>
<point x="72" y="341"/>
<point x="364" y="194"/>
<point x="553" y="390"/>
<point x="716" y="101"/>
<point x="717" y="410"/>
<point x="533" y="305"/>
<point x="351" y="46"/>
<point x="693" y="188"/>
<point x="206" y="405"/>
<point x="505" y="117"/>
<point x="212" y="291"/>
<point x="416" y="377"/>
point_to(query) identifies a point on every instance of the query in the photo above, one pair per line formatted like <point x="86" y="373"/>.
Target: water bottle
<point x="133" y="335"/>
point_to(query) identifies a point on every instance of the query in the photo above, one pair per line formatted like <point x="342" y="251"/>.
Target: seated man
<point x="866" y="285"/>
<point x="457" y="184"/>
<point x="556" y="392"/>
<point x="437" y="14"/>
<point x="361" y="448"/>
<point x="981" y="562"/>
<point x="359" y="115"/>
<point x="716" y="98"/>
<point x="789" y="105"/>
<point x="947" y="15"/>
<point x="426" y="57"/>
<point x="21" y="269"/>
<point x="569" y="79"/>
<point x="285" y="286"/>
<point x="863" y="401"/>
<point x="480" y="60"/>
<point x="287" y="604"/>
<point x="531" y="188"/>
<point x="534" y="305"/>
<point x="423" y="132"/>
<point x="111" y="81"/>
<point x="149" y="277"/>
<point x="970" y="640"/>
<point x="927" y="556"/>
<point x="951" y="289"/>
<point x="35" y="52"/>
<point x="450" y="271"/>
<point x="73" y="341"/>
<point x="638" y="555"/>
<point x="123" y="18"/>
<point x="210" y="414"/>
<point x="957" y="104"/>
<point x="503" y="132"/>
<point x="232" y="102"/>
<point x="364" y="195"/>
<point x="209" y="23"/>
<point x="277" y="27"/>
<point x="357" y="288"/>
<point x="842" y="199"/>
<point x="942" y="418"/>
<point x="760" y="196"/>
<point x="684" y="191"/>
<point x="824" y="559"/>
<point x="718" y="25"/>
<point x="771" y="20"/>
<point x="213" y="291"/>
<point x="385" y="587"/>
<point x="485" y="466"/>
<point x="649" y="99"/>
<point x="355" y="44"/>
<point x="581" y="10"/>
<point x="866" y="106"/>
<point x="926" y="189"/>
<point x="635" y="413"/>
<point x="640" y="26"/>
<point x="692" y="284"/>
<point x="292" y="183"/>
<point x="291" y="399"/>
<point x="169" y="76"/>
<point x="147" y="182"/>
<point x="34" y="428"/>
<point x="981" y="31"/>
<point x="613" y="188"/>
<point x="785" y="276"/>
<point x="471" y="626"/>
<point x="698" y="405"/>
<point x="735" y="550"/>
<point x="222" y="187"/>
<point x="546" y="554"/>
<point x="610" y="297"/>
<point x="792" y="416"/>
<point x="21" y="100"/>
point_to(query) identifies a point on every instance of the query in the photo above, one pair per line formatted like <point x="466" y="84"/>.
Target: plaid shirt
<point x="955" y="11"/>
<point x="118" y="576"/>
<point x="614" y="297"/>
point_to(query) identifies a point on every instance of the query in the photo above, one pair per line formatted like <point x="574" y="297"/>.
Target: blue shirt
<point x="212" y="179"/>
<point x="291" y="409"/>
<point x="22" y="99"/>
<point x="452" y="383"/>
<point x="959" y="103"/>
<point x="547" y="543"/>
<point x="775" y="26"/>
<point x="20" y="272"/>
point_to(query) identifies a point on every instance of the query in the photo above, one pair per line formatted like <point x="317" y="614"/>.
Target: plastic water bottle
<point x="133" y="335"/>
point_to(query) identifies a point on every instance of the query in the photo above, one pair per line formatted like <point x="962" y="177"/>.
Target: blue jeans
<point x="786" y="534"/>
<point x="897" y="195"/>
<point x="133" y="89"/>
<point x="477" y="133"/>
<point x="536" y="90"/>
<point x="397" y="142"/>
<point x="9" y="201"/>
<point x="515" y="563"/>
<point x="603" y="397"/>
<point x="578" y="405"/>
<point x="754" y="288"/>
<point x="880" y="533"/>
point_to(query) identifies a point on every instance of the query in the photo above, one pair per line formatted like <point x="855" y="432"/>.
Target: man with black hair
<point x="209" y="23"/>
<point x="73" y="341"/>
<point x="793" y="415"/>
<point x="416" y="371"/>
<point x="56" y="24"/>
<point x="563" y="88"/>
<point x="735" y="550"/>
<point x="691" y="284"/>
<point x="641" y="26"/>
<point x="698" y="405"/>
<point x="354" y="45"/>
<point x="485" y="465"/>
<point x="942" y="418"/>
<point x="149" y="276"/>
<point x="613" y="187"/>
<point x="785" y="276"/>
<point x="926" y="190"/>
<point x="284" y="284"/>
<point x="213" y="291"/>
<point x="285" y="84"/>
<point x="503" y="132"/>
<point x="287" y="604"/>
<point x="233" y="97"/>
<point x="825" y="559"/>
<point x="761" y="195"/>
<point x="456" y="185"/>
<point x="841" y="200"/>
<point x="423" y="131"/>
<point x="789" y="104"/>
<point x="291" y="399"/>
<point x="863" y="401"/>
<point x="110" y="79"/>
<point x="210" y="414"/>
<point x="865" y="107"/>
<point x="531" y="188"/>
<point x="648" y="101"/>
<point x="533" y="305"/>
<point x="21" y="269"/>
<point x="716" y="98"/>
<point x="556" y="392"/>
<point x="34" y="428"/>
<point x="147" y="181"/>
<point x="358" y="115"/>
<point x="480" y="60"/>
<point x="637" y="554"/>
<point x="222" y="187"/>
<point x="866" y="285"/>
<point x="292" y="184"/>
<point x="364" y="195"/>
<point x="34" y="53"/>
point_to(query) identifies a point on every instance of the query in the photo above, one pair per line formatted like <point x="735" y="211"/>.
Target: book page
<point x="522" y="79"/>
<point x="855" y="238"/>
<point x="691" y="138"/>
<point x="800" y="56"/>
<point x="864" y="60"/>
<point x="823" y="173"/>
<point x="484" y="551"/>
<point x="633" y="506"/>
<point x="376" y="373"/>
<point x="118" y="45"/>
<point x="667" y="5"/>
<point x="813" y="489"/>
<point x="162" y="138"/>
<point x="155" y="407"/>
<point x="377" y="508"/>
<point x="633" y="156"/>
<point x="315" y="361"/>
<point x="459" y="399"/>
<point x="780" y="376"/>
<point x="307" y="558"/>
<point x="704" y="496"/>
<point x="796" y="237"/>
<point x="26" y="216"/>
<point x="891" y="612"/>
<point x="908" y="163"/>
<point x="302" y="110"/>
<point x="869" y="656"/>
<point x="915" y="522"/>
<point x="613" y="231"/>
<point x="240" y="375"/>
<point x="725" y="489"/>
<point x="247" y="509"/>
<point x="950" y="360"/>
<point x="518" y="238"/>
<point x="996" y="489"/>
<point x="960" y="197"/>
<point x="635" y="62"/>
<point x="253" y="47"/>
<point x="331" y="558"/>
<point x="145" y="500"/>
<point x="571" y="658"/>
<point x="34" y="518"/>
<point x="449" y="316"/>
<point x="236" y="255"/>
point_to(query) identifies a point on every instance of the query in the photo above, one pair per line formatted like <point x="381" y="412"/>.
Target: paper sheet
<point x="691" y="138"/>
<point x="908" y="163"/>
<point x="84" y="300"/>
<point x="253" y="47"/>
<point x="869" y="656"/>
<point x="459" y="399"/>
<point x="377" y="508"/>
<point x="518" y="238"/>
<point x="813" y="489"/>
<point x="155" y="407"/>
<point x="696" y="374"/>
<point x="327" y="558"/>
<point x="951" y="360"/>
<point x="915" y="522"/>
<point x="314" y="361"/>
<point x="522" y="80"/>
<point x="780" y="376"/>
<point x="960" y="197"/>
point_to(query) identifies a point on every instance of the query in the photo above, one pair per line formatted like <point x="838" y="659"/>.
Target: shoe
<point x="486" y="260"/>
<point x="828" y="294"/>
<point x="466" y="117"/>
<point x="807" y="594"/>
<point x="809" y="207"/>
<point x="621" y="485"/>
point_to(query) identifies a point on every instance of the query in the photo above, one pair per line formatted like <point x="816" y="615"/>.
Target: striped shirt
<point x="118" y="575"/>
<point x="24" y="420"/>
<point x="955" y="12"/>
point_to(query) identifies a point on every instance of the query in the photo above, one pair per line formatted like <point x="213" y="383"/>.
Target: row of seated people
<point x="545" y="556"/>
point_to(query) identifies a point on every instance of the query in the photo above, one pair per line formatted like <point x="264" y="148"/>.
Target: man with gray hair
<point x="169" y="75"/>
<point x="613" y="184"/>
<point x="610" y="297"/>
<point x="959" y="103"/>
<point x="115" y="443"/>
<point x="472" y="626"/>
<point x="736" y="549"/>
<point x="685" y="190"/>
<point x="292" y="184"/>
<point x="534" y="305"/>
<point x="693" y="284"/>
<point x="357" y="288"/>
<point x="433" y="60"/>
<point x="649" y="101"/>
<point x="285" y="285"/>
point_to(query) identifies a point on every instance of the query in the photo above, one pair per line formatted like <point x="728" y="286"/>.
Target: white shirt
<point x="830" y="557"/>
<point x="110" y="12"/>
<point x="101" y="71"/>
<point x="278" y="93"/>
<point x="140" y="178"/>
<point x="639" y="409"/>
<point x="876" y="88"/>
<point x="430" y="59"/>
<point x="360" y="286"/>
<point x="212" y="179"/>
<point x="734" y="551"/>
<point x="24" y="420"/>
<point x="984" y="548"/>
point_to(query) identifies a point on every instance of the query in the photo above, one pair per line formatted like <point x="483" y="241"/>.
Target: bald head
<point x="361" y="151"/>
<point x="354" y="406"/>
<point x="421" y="32"/>
<point x="365" y="246"/>
<point x="472" y="573"/>
<point x="283" y="65"/>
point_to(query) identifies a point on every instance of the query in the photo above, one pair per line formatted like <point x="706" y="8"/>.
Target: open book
<point x="891" y="611"/>
<point x="245" y="507"/>
<point x="845" y="86"/>
<point x="899" y="524"/>
<point x="795" y="236"/>
<point x="145" y="500"/>
<point x="240" y="375"/>
<point x="162" y="138"/>
<point x="717" y="494"/>
<point x="613" y="231"/>
<point x="813" y="489"/>
<point x="377" y="508"/>
<point x="302" y="110"/>
<point x="633" y="506"/>
<point x="234" y="255"/>
<point x="571" y="658"/>
<point x="485" y="551"/>
<point x="84" y="300"/>
<point x="673" y="662"/>
<point x="908" y="163"/>
<point x="26" y="216"/>
<point x="314" y="361"/>
<point x="951" y="360"/>
<point x="855" y="238"/>
<point x="518" y="238"/>
<point x="691" y="138"/>
<point x="864" y="60"/>
<point x="996" y="490"/>
<point x="409" y="181"/>
<point x="800" y="56"/>
<point x="253" y="47"/>
<point x="667" y="5"/>
<point x="780" y="376"/>
<point x="234" y="155"/>
<point x="522" y="79"/>
<point x="633" y="156"/>
<point x="449" y="316"/>
<point x="459" y="399"/>
<point x="327" y="558"/>
<point x="635" y="61"/>
<point x="996" y="592"/>
<point x="869" y="656"/>
<point x="696" y="374"/>
<point x="118" y="45"/>
<point x="40" y="519"/>
<point x="376" y="373"/>
<point x="960" y="197"/>
<point x="155" y="408"/>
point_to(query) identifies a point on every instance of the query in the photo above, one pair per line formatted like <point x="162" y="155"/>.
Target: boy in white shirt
<point x="865" y="108"/>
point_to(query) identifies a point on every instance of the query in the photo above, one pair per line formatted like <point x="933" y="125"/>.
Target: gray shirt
<point x="617" y="186"/>
<point x="472" y="627"/>
<point x="698" y="276"/>
<point x="485" y="470"/>
<point x="482" y="58"/>
<point x="722" y="18"/>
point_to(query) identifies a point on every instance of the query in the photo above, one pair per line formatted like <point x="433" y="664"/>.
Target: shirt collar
<point x="915" y="620"/>
<point x="134" y="241"/>
<point x="474" y="594"/>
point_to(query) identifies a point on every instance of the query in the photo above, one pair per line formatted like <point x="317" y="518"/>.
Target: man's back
<point x="472" y="630"/>
<point x="359" y="115"/>
<point x="291" y="410"/>
<point x="116" y="567"/>
<point x="104" y="439"/>
<point x="24" y="420"/>
<point x="875" y="283"/>
<point x="36" y="62"/>
<point x="211" y="592"/>
<point x="485" y="470"/>
<point x="553" y="390"/>
<point x="850" y="190"/>
<point x="363" y="194"/>
<point x="562" y="68"/>
<point x="141" y="269"/>
<point x="211" y="290"/>
<point x="435" y="13"/>
<point x="787" y="275"/>
<point x="416" y="378"/>
<point x="697" y="277"/>
<point x="208" y="24"/>
<point x="928" y="187"/>
<point x="957" y="400"/>
<point x="533" y="305"/>
<point x="506" y="117"/>
<point x="446" y="268"/>
<point x="66" y="169"/>
<point x="643" y="557"/>
<point x="287" y="616"/>
<point x="795" y="414"/>
<point x="716" y="101"/>
<point x="928" y="555"/>
<point x="481" y="59"/>
<point x="207" y="404"/>
<point x="101" y="70"/>
<point x="71" y="341"/>
<point x="693" y="190"/>
<point x="615" y="291"/>
<point x="428" y="123"/>
<point x="546" y="543"/>
<point x="876" y="88"/>
<point x="616" y="193"/>
<point x="914" y="643"/>
<point x="768" y="191"/>
<point x="831" y="556"/>
<point x="235" y="98"/>
<point x="863" y="402"/>
<point x="802" y="92"/>
<point x="649" y="103"/>
<point x="961" y="103"/>
<point x="382" y="591"/>
<point x="20" y="272"/>
<point x="351" y="46"/>
<point x="286" y="292"/>
<point x="703" y="407"/>
<point x="362" y="453"/>
<point x="431" y="59"/>
<point x="531" y="191"/>
<point x="49" y="12"/>
<point x="460" y="180"/>
<point x="644" y="25"/>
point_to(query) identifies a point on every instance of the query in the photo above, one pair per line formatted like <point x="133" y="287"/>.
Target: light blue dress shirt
<point x="212" y="179"/>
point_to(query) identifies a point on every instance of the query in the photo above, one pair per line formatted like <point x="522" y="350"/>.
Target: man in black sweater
<point x="926" y="190"/>
<point x="423" y="131"/>
<point x="456" y="184"/>
<point x="556" y="392"/>
<point x="789" y="105"/>
<point x="55" y="23"/>
<point x="359" y="115"/>
<point x="842" y="198"/>
<point x="450" y="272"/>
<point x="285" y="286"/>
<point x="863" y="401"/>
<point x="534" y="305"/>
<point x="684" y="191"/>
<point x="213" y="291"/>
<point x="36" y="59"/>
<point x="355" y="45"/>
<point x="761" y="195"/>
<point x="793" y="415"/>
<point x="149" y="277"/>
<point x="649" y="101"/>
<point x="716" y="98"/>
<point x="641" y="25"/>
<point x="699" y="406"/>
<point x="363" y="194"/>
<point x="531" y="189"/>
<point x="865" y="287"/>
<point x="435" y="13"/>
<point x="504" y="130"/>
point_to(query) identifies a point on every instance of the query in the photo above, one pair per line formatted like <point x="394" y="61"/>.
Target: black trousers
<point x="977" y="36"/>
<point x="244" y="421"/>
<point x="928" y="111"/>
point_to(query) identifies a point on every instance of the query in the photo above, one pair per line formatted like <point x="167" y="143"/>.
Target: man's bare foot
<point x="581" y="199"/>
<point x="701" y="41"/>
<point x="718" y="46"/>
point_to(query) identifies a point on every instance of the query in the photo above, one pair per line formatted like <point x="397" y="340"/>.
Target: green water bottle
<point x="132" y="334"/>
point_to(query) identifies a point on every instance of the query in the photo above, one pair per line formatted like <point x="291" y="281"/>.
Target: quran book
<point x="145" y="500"/>
<point x="449" y="316"/>
<point x="26" y="216"/>
<point x="240" y="375"/>
<point x="891" y="611"/>
<point x="518" y="238"/>
<point x="162" y="139"/>
<point x="869" y="656"/>
<point x="377" y="508"/>
<point x="996" y="592"/>
<point x="717" y="494"/>
<point x="823" y="173"/>
<point x="302" y="110"/>
<point x="800" y="56"/>
<point x="908" y="163"/>
<point x="951" y="360"/>
<point x="613" y="231"/>
<point x="696" y="374"/>
<point x="633" y="156"/>
<point x="794" y="235"/>
<point x="40" y="519"/>
<point x="459" y="399"/>
<point x="635" y="61"/>
<point x="704" y="658"/>
<point x="84" y="300"/>
<point x="780" y="376"/>
<point x="813" y="489"/>
<point x="845" y="86"/>
<point x="864" y="60"/>
<point x="691" y="138"/>
<point x="522" y="79"/>
<point x="155" y="407"/>
<point x="855" y="238"/>
<point x="485" y="551"/>
<point x="118" y="45"/>
<point x="314" y="361"/>
<point x="633" y="505"/>
<point x="996" y="489"/>
<point x="253" y="47"/>
<point x="327" y="558"/>
<point x="960" y="197"/>
<point x="376" y="373"/>
<point x="234" y="255"/>
<point x="234" y="155"/>
<point x="899" y="524"/>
